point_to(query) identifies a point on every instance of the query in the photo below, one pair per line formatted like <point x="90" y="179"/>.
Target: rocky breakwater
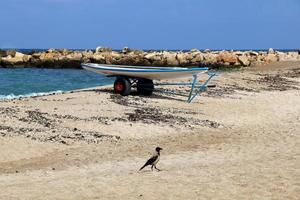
<point x="72" y="59"/>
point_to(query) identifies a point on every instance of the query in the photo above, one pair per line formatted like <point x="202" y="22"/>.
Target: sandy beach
<point x="239" y="140"/>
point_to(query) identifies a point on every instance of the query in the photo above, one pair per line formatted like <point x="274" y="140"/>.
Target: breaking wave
<point x="12" y="96"/>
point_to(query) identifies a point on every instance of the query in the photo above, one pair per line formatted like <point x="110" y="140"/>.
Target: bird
<point x="153" y="160"/>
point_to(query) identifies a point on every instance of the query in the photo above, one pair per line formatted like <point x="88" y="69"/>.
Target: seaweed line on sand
<point x="275" y="82"/>
<point x="74" y="135"/>
<point x="39" y="117"/>
<point x="156" y="116"/>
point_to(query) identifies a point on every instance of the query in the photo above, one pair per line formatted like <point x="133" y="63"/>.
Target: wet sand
<point x="239" y="140"/>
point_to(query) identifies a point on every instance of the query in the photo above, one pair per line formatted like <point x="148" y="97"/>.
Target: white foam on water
<point x="12" y="96"/>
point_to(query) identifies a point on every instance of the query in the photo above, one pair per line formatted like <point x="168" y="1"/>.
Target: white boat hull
<point x="153" y="73"/>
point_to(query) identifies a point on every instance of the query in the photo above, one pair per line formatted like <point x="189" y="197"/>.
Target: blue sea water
<point x="21" y="82"/>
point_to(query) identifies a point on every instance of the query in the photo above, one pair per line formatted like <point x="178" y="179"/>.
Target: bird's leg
<point x="156" y="168"/>
<point x="152" y="167"/>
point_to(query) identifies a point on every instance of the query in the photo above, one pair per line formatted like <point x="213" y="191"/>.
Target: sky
<point x="150" y="24"/>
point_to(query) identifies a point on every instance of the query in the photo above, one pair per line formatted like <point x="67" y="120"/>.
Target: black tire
<point x="145" y="87"/>
<point x="122" y="86"/>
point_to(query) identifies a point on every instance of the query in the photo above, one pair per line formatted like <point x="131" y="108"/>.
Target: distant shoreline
<point x="65" y="58"/>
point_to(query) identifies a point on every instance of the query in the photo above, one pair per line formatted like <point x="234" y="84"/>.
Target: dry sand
<point x="239" y="140"/>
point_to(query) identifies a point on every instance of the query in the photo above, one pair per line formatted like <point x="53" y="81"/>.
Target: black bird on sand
<point x="153" y="160"/>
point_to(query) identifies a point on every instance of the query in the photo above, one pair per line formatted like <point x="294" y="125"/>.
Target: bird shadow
<point x="151" y="171"/>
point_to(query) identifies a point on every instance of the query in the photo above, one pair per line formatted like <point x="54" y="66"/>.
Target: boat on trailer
<point x="142" y="77"/>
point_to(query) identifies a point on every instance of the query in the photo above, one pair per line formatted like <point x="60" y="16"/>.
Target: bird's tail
<point x="143" y="167"/>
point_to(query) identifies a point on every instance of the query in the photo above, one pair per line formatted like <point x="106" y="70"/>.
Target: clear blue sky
<point x="150" y="24"/>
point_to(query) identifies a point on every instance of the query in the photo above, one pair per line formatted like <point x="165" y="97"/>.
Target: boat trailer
<point x="123" y="85"/>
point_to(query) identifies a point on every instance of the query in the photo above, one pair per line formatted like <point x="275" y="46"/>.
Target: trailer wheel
<point x="122" y="86"/>
<point x="145" y="87"/>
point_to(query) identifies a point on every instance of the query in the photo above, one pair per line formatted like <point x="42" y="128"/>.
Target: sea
<point x="27" y="82"/>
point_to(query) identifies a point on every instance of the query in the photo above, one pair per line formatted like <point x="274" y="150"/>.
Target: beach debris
<point x="293" y="73"/>
<point x="277" y="82"/>
<point x="38" y="117"/>
<point x="157" y="116"/>
<point x="9" y="111"/>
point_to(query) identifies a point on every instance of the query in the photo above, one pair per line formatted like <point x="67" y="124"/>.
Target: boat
<point x="152" y="73"/>
<point x="141" y="77"/>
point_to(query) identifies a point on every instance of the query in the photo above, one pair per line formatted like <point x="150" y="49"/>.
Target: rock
<point x="102" y="49"/>
<point x="271" y="51"/>
<point x="209" y="58"/>
<point x="36" y="55"/>
<point x="182" y="59"/>
<point x="206" y="51"/>
<point x="5" y="53"/>
<point x="11" y="53"/>
<point x="133" y="60"/>
<point x="116" y="55"/>
<point x="244" y="60"/>
<point x="87" y="56"/>
<point x="2" y="53"/>
<point x="238" y="53"/>
<point x="49" y="56"/>
<point x="226" y="57"/>
<point x="75" y="56"/>
<point x="289" y="56"/>
<point x="197" y="58"/>
<point x="64" y="52"/>
<point x="271" y="58"/>
<point x="293" y="54"/>
<point x="98" y="49"/>
<point x="188" y="56"/>
<point x="136" y="51"/>
<point x="109" y="59"/>
<point x="11" y="61"/>
<point x="99" y="58"/>
<point x="26" y="58"/>
<point x="281" y="56"/>
<point x="126" y="50"/>
<point x="50" y="50"/>
<point x="35" y="62"/>
<point x="153" y="56"/>
<point x="170" y="58"/>
<point x="260" y="58"/>
<point x="194" y="50"/>
<point x="252" y="53"/>
<point x="19" y="55"/>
